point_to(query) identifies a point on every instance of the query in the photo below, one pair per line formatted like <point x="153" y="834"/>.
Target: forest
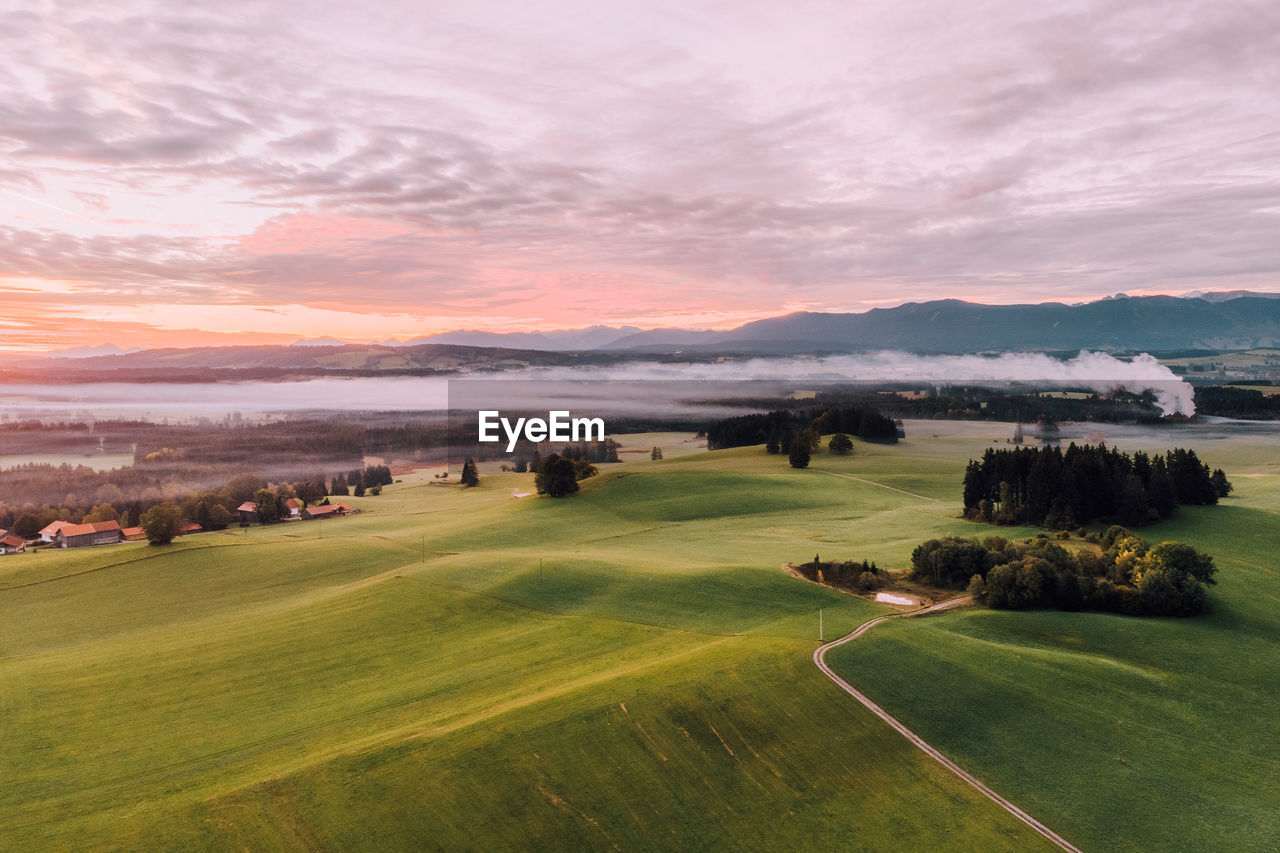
<point x="178" y="462"/>
<point x="1124" y="575"/>
<point x="1245" y="403"/>
<point x="1059" y="489"/>
<point x="208" y="468"/>
<point x="211" y="506"/>
<point x="931" y="401"/>
<point x="777" y="428"/>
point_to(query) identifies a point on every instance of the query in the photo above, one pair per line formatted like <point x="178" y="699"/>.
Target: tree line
<point x="975" y="402"/>
<point x="527" y="455"/>
<point x="1062" y="489"/>
<point x="170" y="461"/>
<point x="104" y="498"/>
<point x="1126" y="575"/>
<point x="777" y="429"/>
<point x="1246" y="403"/>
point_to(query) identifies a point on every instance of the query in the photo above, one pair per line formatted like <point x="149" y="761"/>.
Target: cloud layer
<point x="419" y="166"/>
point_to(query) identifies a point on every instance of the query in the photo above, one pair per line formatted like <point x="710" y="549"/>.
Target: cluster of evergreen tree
<point x="360" y="481"/>
<point x="847" y="575"/>
<point x="1127" y="576"/>
<point x="1062" y="489"/>
<point x="526" y="453"/>
<point x="976" y="402"/>
<point x="776" y="429"/>
<point x="866" y="424"/>
<point x="1227" y="402"/>
<point x="592" y="451"/>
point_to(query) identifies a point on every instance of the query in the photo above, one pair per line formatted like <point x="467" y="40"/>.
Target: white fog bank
<point x="1097" y="371"/>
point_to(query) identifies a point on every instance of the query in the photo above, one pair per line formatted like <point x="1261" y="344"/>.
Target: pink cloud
<point x="496" y="164"/>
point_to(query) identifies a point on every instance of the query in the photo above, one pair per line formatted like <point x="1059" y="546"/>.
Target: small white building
<point x="50" y="532"/>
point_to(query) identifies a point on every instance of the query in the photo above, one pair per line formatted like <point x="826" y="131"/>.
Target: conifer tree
<point x="469" y="475"/>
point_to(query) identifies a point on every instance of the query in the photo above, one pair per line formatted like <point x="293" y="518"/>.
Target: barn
<point x="325" y="511"/>
<point x="11" y="544"/>
<point x="96" y="533"/>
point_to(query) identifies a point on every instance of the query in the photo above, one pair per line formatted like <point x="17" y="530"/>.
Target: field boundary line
<point x="874" y="483"/>
<point x="820" y="660"/>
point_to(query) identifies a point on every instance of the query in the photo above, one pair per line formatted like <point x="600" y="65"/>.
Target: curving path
<point x="820" y="659"/>
<point x="874" y="483"/>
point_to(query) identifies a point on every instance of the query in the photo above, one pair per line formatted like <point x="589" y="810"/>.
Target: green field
<point x="629" y="668"/>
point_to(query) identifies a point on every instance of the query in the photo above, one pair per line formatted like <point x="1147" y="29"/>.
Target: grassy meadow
<point x="628" y="668"/>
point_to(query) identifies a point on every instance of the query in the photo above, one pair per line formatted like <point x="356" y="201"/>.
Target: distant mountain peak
<point x="318" y="342"/>
<point x="1228" y="295"/>
<point x="90" y="352"/>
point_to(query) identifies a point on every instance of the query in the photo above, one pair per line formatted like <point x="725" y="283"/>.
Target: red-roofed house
<point x="97" y="533"/>
<point x="248" y="512"/>
<point x="51" y="530"/>
<point x="295" y="507"/>
<point x="325" y="511"/>
<point x="11" y="544"/>
<point x="190" y="527"/>
<point x="133" y="534"/>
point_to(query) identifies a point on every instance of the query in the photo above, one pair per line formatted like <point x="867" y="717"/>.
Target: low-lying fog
<point x="612" y="388"/>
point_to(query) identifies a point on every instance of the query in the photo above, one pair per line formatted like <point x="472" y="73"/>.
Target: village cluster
<point x="64" y="534"/>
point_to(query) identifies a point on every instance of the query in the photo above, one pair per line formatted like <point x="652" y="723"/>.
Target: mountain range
<point x="1215" y="321"/>
<point x="1212" y="321"/>
<point x="1149" y="323"/>
<point x="1156" y="324"/>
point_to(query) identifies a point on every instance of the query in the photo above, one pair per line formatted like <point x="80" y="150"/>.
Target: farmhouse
<point x="50" y="531"/>
<point x="295" y="507"/>
<point x="248" y="513"/>
<point x="97" y="533"/>
<point x="11" y="544"/>
<point x="325" y="511"/>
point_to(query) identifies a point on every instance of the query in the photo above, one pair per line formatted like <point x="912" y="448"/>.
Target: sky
<point x="254" y="172"/>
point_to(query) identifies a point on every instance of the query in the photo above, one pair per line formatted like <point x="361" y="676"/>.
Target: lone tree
<point x="266" y="501"/>
<point x="309" y="493"/>
<point x="556" y="477"/>
<point x="799" y="452"/>
<point x="840" y="445"/>
<point x="161" y="523"/>
<point x="655" y="454"/>
<point x="469" y="475"/>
